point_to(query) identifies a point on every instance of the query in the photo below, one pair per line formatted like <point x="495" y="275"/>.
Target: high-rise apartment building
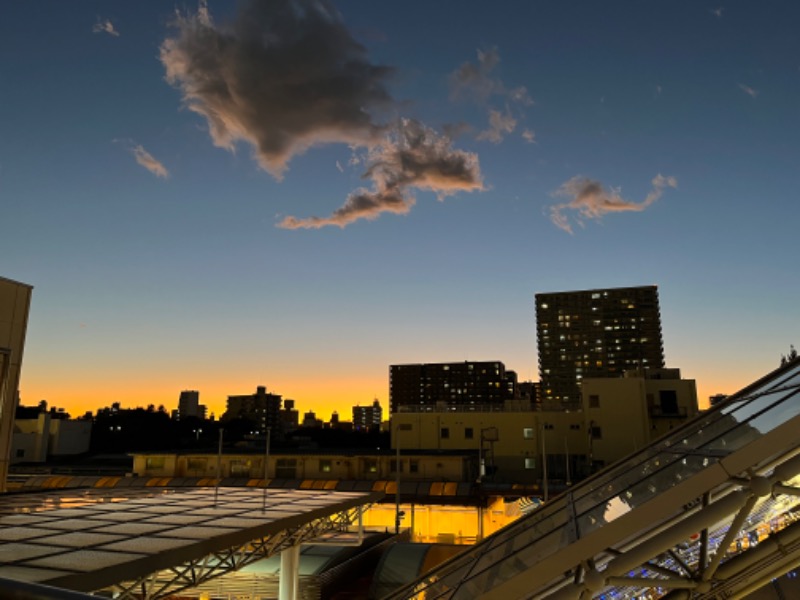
<point x="465" y="384"/>
<point x="595" y="333"/>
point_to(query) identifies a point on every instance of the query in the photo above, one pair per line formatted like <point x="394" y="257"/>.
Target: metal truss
<point x="721" y="547"/>
<point x="164" y="583"/>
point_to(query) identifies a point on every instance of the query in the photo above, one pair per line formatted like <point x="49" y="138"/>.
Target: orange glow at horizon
<point x="321" y="397"/>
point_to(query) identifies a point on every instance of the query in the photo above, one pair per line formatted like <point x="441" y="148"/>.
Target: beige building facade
<point x="15" y="301"/>
<point x="301" y="467"/>
<point x="617" y="416"/>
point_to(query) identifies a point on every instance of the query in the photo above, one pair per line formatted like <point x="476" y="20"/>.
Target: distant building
<point x="426" y="386"/>
<point x="49" y="435"/>
<point x="15" y="302"/>
<point x="366" y="418"/>
<point x="290" y="417"/>
<point x="310" y="419"/>
<point x="594" y="333"/>
<point x="189" y="405"/>
<point x="262" y="408"/>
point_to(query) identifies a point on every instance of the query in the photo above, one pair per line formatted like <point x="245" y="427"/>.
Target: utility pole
<point x="397" y="514"/>
<point x="266" y="470"/>
<point x="544" y="465"/>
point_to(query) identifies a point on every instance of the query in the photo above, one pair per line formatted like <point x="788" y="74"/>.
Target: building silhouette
<point x="424" y="386"/>
<point x="366" y="418"/>
<point x="189" y="405"/>
<point x="594" y="333"/>
<point x="262" y="408"/>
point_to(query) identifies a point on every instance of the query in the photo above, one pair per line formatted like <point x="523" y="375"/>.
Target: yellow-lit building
<point x="627" y="413"/>
<point x="15" y="300"/>
<point x="301" y="467"/>
<point x="617" y="416"/>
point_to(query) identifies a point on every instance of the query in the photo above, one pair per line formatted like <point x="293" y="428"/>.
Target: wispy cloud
<point x="588" y="199"/>
<point x="753" y="93"/>
<point x="105" y="26"/>
<point x="475" y="80"/>
<point x="500" y="124"/>
<point x="287" y="76"/>
<point x="717" y="12"/>
<point x="529" y="136"/>
<point x="144" y="158"/>
<point x="412" y="157"/>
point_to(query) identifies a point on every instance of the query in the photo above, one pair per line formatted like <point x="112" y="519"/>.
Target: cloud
<point x="285" y="76"/>
<point x="753" y="93"/>
<point x="529" y="136"/>
<point x="590" y="200"/>
<point x="500" y="124"/>
<point x="105" y="26"/>
<point x="475" y="81"/>
<point x="144" y="158"/>
<point x="412" y="156"/>
<point x="717" y="12"/>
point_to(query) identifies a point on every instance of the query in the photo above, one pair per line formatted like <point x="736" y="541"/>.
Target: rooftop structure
<point x="595" y="333"/>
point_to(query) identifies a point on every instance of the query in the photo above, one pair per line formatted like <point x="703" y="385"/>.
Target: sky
<point x="299" y="194"/>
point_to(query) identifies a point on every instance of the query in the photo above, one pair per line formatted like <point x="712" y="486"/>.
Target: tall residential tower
<point x="595" y="333"/>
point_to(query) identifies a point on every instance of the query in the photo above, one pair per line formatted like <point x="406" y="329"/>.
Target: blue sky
<point x="303" y="196"/>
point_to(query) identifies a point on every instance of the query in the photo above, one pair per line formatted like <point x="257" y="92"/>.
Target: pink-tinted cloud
<point x="588" y="199"/>
<point x="476" y="81"/>
<point x="144" y="158"/>
<point x="105" y="26"/>
<point x="529" y="136"/>
<point x="753" y="93"/>
<point x="500" y="124"/>
<point x="287" y="75"/>
<point x="412" y="157"/>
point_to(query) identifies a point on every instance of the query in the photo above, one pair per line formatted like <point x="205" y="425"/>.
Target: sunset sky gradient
<point x="299" y="194"/>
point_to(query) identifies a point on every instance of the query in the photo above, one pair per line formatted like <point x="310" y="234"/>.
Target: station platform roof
<point x="91" y="539"/>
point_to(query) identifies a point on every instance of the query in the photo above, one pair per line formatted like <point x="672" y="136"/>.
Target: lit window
<point x="155" y="462"/>
<point x="325" y="466"/>
<point x="527" y="433"/>
<point x="530" y="463"/>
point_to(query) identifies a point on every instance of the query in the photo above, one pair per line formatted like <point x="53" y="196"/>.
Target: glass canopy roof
<point x="86" y="540"/>
<point x="674" y="518"/>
